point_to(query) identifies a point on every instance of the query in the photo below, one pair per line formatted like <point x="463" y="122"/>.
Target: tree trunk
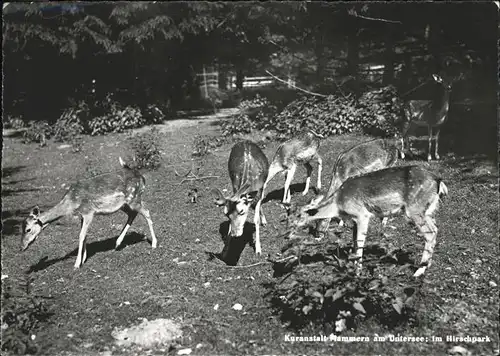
<point x="353" y="57"/>
<point x="319" y="51"/>
<point x="388" y="77"/>
<point x="432" y="35"/>
<point x="239" y="78"/>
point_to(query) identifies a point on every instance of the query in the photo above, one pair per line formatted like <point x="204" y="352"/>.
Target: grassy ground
<point x="115" y="288"/>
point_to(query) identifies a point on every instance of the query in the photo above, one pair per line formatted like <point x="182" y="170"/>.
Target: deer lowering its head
<point x="382" y="193"/>
<point x="301" y="149"/>
<point x="360" y="159"/>
<point x="103" y="194"/>
<point x="248" y="168"/>
<point x="430" y="113"/>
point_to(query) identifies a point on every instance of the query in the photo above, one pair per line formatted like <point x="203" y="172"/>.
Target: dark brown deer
<point x="430" y="113"/>
<point x="360" y="159"/>
<point x="382" y="193"/>
<point x="102" y="195"/>
<point x="248" y="168"/>
<point x="301" y="149"/>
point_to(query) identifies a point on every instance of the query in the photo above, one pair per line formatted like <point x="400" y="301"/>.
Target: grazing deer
<point x="386" y="192"/>
<point x="430" y="113"/>
<point x="360" y="159"/>
<point x="248" y="168"/>
<point x="103" y="194"/>
<point x="301" y="149"/>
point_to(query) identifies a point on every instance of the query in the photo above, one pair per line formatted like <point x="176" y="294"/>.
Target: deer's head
<point x="447" y="85"/>
<point x="236" y="208"/>
<point x="31" y="228"/>
<point x="299" y="216"/>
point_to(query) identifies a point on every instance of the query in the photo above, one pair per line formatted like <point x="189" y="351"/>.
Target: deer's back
<point x="388" y="189"/>
<point x="107" y="192"/>
<point x="247" y="163"/>
<point x="363" y="158"/>
<point x="301" y="148"/>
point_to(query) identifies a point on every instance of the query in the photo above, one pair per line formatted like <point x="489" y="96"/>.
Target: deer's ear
<point x="437" y="78"/>
<point x="219" y="198"/>
<point x="316" y="200"/>
<point x="35" y="212"/>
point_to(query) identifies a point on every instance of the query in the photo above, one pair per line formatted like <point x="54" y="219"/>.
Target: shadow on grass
<point x="234" y="246"/>
<point x="278" y="193"/>
<point x="92" y="248"/>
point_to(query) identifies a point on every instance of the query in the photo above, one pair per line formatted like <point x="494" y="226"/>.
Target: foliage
<point x="204" y="144"/>
<point x="322" y="287"/>
<point x="13" y="122"/>
<point x="376" y="111"/>
<point x="114" y="118"/>
<point x="37" y="131"/>
<point x="22" y="315"/>
<point x="257" y="113"/>
<point x="146" y="149"/>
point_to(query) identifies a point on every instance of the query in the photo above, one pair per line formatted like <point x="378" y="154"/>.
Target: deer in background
<point x="360" y="159"/>
<point x="103" y="194"/>
<point x="382" y="193"/>
<point x="430" y="113"/>
<point x="300" y="149"/>
<point x="248" y="168"/>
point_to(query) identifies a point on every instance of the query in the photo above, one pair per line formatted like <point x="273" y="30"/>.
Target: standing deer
<point x="103" y="194"/>
<point x="430" y="113"/>
<point x="382" y="193"/>
<point x="360" y="159"/>
<point x="248" y="168"/>
<point x="301" y="149"/>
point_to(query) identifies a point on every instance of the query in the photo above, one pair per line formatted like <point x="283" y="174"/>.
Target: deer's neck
<point x="443" y="103"/>
<point x="55" y="213"/>
<point x="326" y="210"/>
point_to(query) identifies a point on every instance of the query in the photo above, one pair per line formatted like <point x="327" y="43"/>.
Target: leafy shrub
<point x="22" y="315"/>
<point x="146" y="149"/>
<point x="153" y="114"/>
<point x="377" y="111"/>
<point x="37" y="131"/>
<point x="322" y="287"/>
<point x="257" y="113"/>
<point x="203" y="144"/>
<point x="13" y="122"/>
<point x="116" y="121"/>
<point x="70" y="125"/>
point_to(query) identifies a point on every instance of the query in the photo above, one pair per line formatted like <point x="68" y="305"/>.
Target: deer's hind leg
<point x="145" y="212"/>
<point x="131" y="216"/>
<point x="82" y="245"/>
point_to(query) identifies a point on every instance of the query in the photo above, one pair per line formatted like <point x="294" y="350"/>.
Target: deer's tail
<point x="442" y="188"/>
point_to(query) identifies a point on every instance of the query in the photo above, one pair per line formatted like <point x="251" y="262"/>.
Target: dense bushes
<point x="376" y="111"/>
<point x="321" y="286"/>
<point x="103" y="117"/>
<point x="146" y="148"/>
<point x="22" y="315"/>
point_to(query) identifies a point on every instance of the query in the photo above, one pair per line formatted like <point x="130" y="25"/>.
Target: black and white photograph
<point x="250" y="178"/>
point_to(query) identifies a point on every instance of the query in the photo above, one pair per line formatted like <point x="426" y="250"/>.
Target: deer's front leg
<point x="287" y="197"/>
<point x="359" y="237"/>
<point x="429" y="230"/>
<point x="429" y="158"/>
<point x="436" y="144"/>
<point x="82" y="250"/>
<point x="309" y="170"/>
<point x="320" y="169"/>
<point x="256" y="220"/>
